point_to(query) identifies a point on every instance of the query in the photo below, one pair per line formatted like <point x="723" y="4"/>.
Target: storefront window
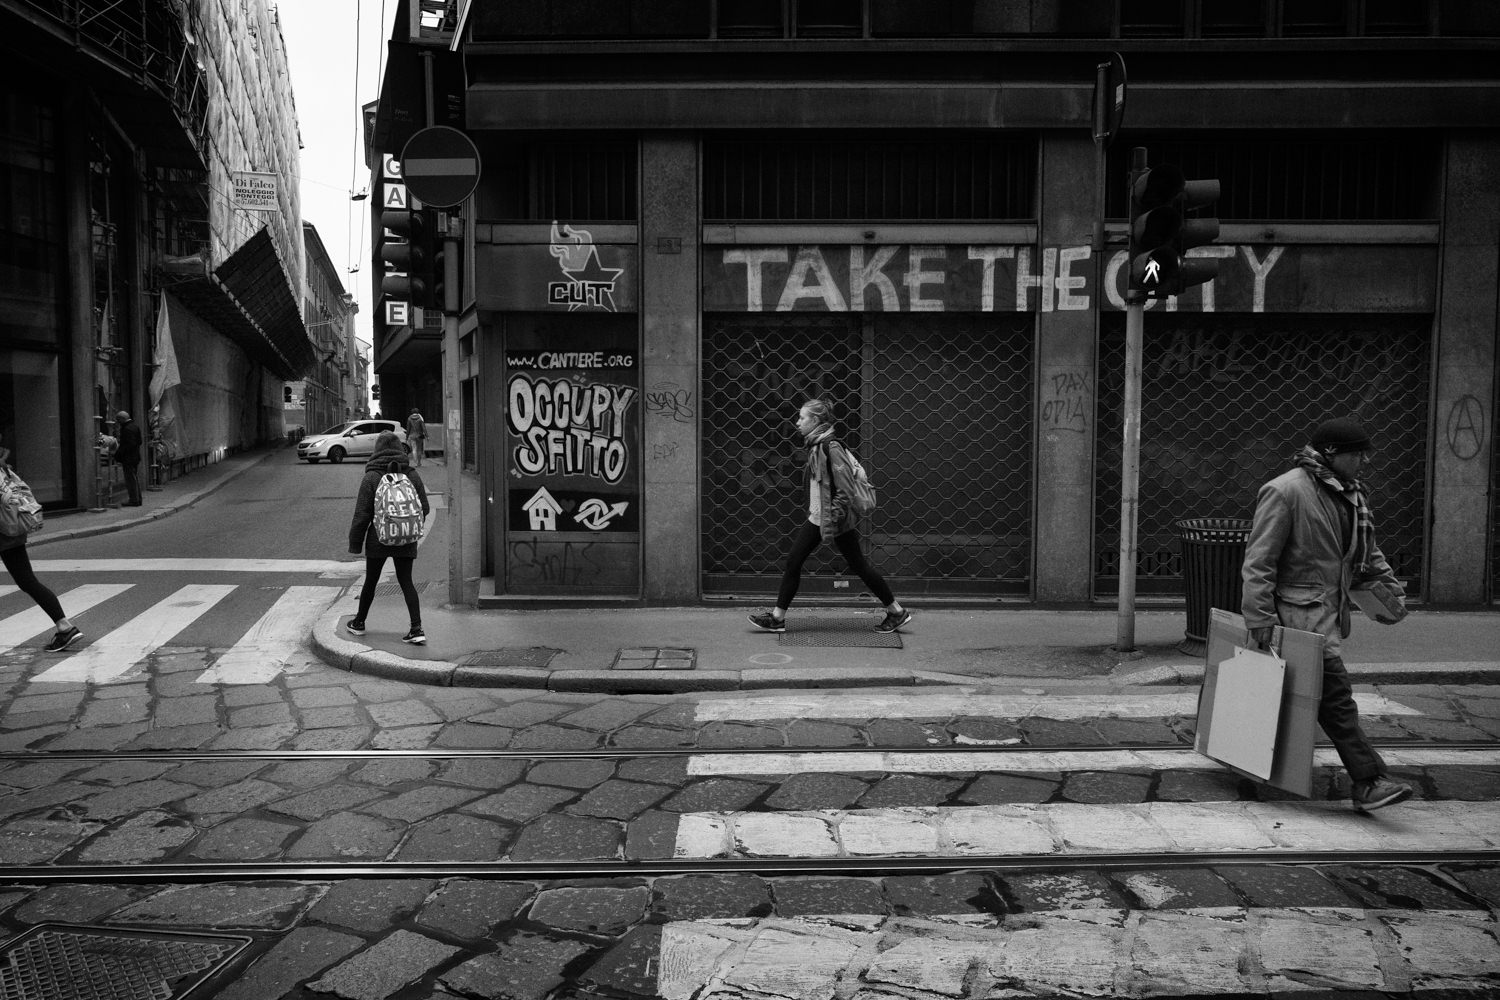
<point x="32" y="276"/>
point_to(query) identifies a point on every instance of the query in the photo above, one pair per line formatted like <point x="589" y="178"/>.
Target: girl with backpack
<point x="387" y="524"/>
<point x="17" y="563"/>
<point x="831" y="486"/>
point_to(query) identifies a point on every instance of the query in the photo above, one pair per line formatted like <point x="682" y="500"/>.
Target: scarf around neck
<point x="1354" y="492"/>
<point x="817" y="458"/>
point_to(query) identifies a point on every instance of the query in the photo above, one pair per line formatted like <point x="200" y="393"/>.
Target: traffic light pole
<point x="1130" y="473"/>
<point x="453" y="451"/>
<point x="1130" y="450"/>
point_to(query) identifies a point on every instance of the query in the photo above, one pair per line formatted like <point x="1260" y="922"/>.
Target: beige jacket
<point x="1299" y="560"/>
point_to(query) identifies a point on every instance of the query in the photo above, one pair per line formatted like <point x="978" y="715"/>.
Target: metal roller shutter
<point x="938" y="409"/>
<point x="1227" y="400"/>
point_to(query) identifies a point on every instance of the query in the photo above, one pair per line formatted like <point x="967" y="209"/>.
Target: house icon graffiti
<point x="543" y="509"/>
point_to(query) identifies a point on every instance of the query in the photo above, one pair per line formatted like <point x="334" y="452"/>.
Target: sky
<point x="321" y="40"/>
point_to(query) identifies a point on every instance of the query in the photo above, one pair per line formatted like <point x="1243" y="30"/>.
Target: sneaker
<point x="62" y="640"/>
<point x="416" y="636"/>
<point x="1378" y="792"/>
<point x="767" y="622"/>
<point x="355" y="628"/>
<point x="893" y="620"/>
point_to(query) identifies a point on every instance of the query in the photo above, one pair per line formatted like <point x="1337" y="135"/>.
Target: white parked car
<point x="354" y="438"/>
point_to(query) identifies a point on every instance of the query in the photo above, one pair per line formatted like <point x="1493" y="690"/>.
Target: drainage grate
<point x="534" y="656"/>
<point x="655" y="658"/>
<point x="393" y="589"/>
<point x="64" y="962"/>
<point x="845" y="631"/>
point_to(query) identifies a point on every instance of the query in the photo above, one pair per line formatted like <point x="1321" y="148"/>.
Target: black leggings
<point x="373" y="566"/>
<point x="18" y="565"/>
<point x="807" y="538"/>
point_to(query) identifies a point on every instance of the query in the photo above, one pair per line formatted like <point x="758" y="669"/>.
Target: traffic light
<point x="286" y="394"/>
<point x="402" y="250"/>
<point x="436" y="262"/>
<point x="375" y="391"/>
<point x="1161" y="233"/>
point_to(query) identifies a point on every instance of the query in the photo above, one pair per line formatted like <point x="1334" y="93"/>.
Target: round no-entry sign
<point x="440" y="166"/>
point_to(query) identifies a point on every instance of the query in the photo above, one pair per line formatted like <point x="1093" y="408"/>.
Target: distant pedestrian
<point x="129" y="457"/>
<point x="1313" y="538"/>
<point x="830" y="516"/>
<point x="416" y="435"/>
<point x="389" y="458"/>
<point x="18" y="564"/>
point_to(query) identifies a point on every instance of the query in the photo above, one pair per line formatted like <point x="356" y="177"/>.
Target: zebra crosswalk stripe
<point x="851" y="705"/>
<point x="262" y="652"/>
<point x="338" y="568"/>
<point x="1202" y="951"/>
<point x="34" y="621"/>
<point x="1064" y="829"/>
<point x="1023" y="761"/>
<point x="118" y="652"/>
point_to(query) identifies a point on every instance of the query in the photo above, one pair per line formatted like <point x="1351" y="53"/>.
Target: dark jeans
<point x="373" y="566"/>
<point x="18" y="565"/>
<point x="805" y="540"/>
<point x="1339" y="717"/>
<point x="132" y="480"/>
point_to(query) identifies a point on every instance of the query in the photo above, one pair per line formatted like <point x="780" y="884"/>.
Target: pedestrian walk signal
<point x="1161" y="234"/>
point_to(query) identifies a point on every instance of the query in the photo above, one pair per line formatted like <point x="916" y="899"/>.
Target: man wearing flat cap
<point x="1313" y="538"/>
<point x="129" y="457"/>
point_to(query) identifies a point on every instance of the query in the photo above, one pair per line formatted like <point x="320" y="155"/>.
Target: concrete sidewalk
<point x="710" y="648"/>
<point x="714" y="648"/>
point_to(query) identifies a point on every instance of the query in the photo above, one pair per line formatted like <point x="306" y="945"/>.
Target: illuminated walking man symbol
<point x="1153" y="271"/>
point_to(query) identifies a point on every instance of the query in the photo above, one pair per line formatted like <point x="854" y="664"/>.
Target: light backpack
<point x="862" y="497"/>
<point x="398" y="511"/>
<point x="20" y="513"/>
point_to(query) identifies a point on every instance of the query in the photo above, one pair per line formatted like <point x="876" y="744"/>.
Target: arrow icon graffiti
<point x="595" y="514"/>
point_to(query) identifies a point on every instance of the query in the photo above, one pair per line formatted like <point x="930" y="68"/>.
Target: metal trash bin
<point x="1213" y="550"/>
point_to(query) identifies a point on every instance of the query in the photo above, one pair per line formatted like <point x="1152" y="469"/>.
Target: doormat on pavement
<point x="857" y="630"/>
<point x="655" y="658"/>
<point x="532" y="656"/>
<point x="69" y="962"/>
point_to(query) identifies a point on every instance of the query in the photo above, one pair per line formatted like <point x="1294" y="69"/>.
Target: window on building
<point x="1304" y="18"/>
<point x="750" y="19"/>
<point x="1358" y="179"/>
<point x="1234" y="19"/>
<point x="830" y="18"/>
<point x="579" y="179"/>
<point x="1396" y="17"/>
<point x="868" y="179"/>
<point x="1153" y="18"/>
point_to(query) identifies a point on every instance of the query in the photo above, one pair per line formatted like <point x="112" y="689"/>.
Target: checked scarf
<point x="1354" y="492"/>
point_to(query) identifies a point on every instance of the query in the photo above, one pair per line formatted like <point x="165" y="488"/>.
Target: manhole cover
<point x="63" y="962"/>
<point x="655" y="658"/>
<point x="534" y="656"/>
<point x="851" y="631"/>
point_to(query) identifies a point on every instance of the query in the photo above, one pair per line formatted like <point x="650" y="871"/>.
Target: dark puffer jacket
<point x="362" y="529"/>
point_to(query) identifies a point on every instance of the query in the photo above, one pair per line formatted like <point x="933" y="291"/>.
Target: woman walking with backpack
<point x="389" y="528"/>
<point x="17" y="562"/>
<point x="830" y="486"/>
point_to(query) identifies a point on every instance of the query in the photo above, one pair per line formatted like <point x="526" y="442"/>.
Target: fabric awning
<point x="249" y="299"/>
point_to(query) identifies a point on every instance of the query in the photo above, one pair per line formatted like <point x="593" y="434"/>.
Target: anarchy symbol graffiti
<point x="1466" y="427"/>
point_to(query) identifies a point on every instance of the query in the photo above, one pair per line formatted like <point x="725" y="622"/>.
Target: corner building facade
<point x="693" y="217"/>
